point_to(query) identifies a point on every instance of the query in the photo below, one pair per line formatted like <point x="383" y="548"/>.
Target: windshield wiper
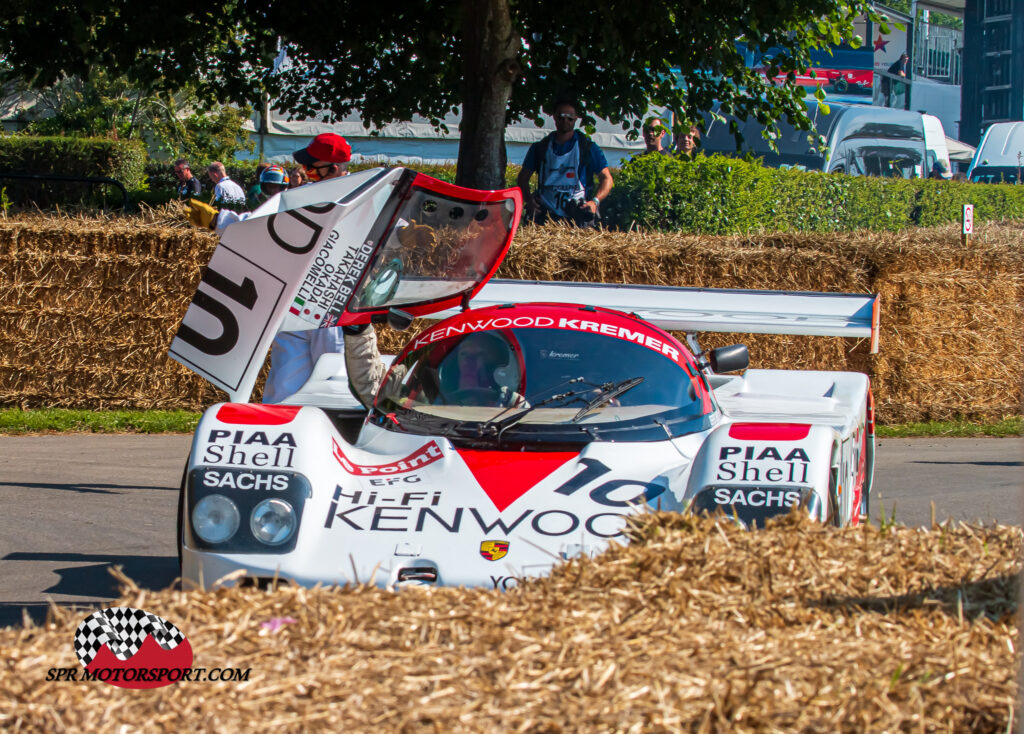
<point x="496" y="425"/>
<point x="609" y="391"/>
<point x="501" y="424"/>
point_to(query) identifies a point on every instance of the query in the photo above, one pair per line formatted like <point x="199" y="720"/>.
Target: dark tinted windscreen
<point x="996" y="174"/>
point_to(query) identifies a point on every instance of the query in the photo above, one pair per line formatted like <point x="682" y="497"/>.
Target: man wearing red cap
<point x="294" y="353"/>
<point x="326" y="157"/>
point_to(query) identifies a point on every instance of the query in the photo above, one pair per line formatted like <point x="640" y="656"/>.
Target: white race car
<point x="507" y="436"/>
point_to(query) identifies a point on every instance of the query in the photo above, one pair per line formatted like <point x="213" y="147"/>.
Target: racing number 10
<point x="594" y="469"/>
<point x="244" y="294"/>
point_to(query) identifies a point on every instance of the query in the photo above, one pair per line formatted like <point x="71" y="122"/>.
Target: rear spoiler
<point x="705" y="309"/>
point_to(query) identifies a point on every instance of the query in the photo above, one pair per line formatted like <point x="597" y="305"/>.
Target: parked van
<point x="861" y="140"/>
<point x="1000" y="156"/>
<point x="935" y="148"/>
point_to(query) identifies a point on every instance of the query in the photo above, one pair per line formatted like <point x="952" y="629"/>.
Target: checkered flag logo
<point x="123" y="630"/>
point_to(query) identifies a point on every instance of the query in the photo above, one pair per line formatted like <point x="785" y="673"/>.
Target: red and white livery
<point x="521" y="429"/>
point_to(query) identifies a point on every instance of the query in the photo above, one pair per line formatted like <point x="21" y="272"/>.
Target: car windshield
<point x="438" y="246"/>
<point x="996" y="174"/>
<point x="565" y="385"/>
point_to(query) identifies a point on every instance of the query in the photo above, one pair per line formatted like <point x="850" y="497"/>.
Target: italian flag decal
<point x="298" y="310"/>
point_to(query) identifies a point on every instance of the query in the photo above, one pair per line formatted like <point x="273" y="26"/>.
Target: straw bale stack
<point x="88" y="307"/>
<point x="696" y="626"/>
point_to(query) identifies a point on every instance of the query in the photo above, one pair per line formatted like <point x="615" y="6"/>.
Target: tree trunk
<point x="489" y="50"/>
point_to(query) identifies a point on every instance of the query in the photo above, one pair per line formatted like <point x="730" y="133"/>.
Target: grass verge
<point x="953" y="429"/>
<point x="14" y="420"/>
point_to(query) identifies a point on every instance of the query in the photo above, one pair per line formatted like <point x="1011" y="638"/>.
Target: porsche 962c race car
<point x="521" y="428"/>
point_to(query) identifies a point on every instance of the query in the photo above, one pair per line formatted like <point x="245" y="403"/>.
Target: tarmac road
<point x="75" y="505"/>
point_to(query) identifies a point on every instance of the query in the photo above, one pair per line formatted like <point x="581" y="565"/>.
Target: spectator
<point x="686" y="143"/>
<point x="190" y="185"/>
<point x="255" y="196"/>
<point x="938" y="170"/>
<point x="899" y="67"/>
<point x="297" y="177"/>
<point x="654" y="135"/>
<point x="326" y="157"/>
<point x="565" y="161"/>
<point x="226" y="193"/>
<point x="896" y="68"/>
<point x="273" y="180"/>
<point x="294" y="353"/>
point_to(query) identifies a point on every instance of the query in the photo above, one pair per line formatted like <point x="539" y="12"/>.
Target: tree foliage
<point x="171" y="124"/>
<point x="500" y="60"/>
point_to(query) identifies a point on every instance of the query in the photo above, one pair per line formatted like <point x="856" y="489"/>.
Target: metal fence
<point x="937" y="53"/>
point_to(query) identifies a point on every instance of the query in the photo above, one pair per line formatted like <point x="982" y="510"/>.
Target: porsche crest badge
<point x="494" y="550"/>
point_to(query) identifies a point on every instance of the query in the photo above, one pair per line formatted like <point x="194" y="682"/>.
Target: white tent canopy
<point x="415" y="141"/>
<point x="958" y="151"/>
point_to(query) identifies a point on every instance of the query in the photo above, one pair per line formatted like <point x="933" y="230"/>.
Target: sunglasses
<point x="314" y="171"/>
<point x="565" y="116"/>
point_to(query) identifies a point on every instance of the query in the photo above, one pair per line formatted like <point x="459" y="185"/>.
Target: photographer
<point x="565" y="162"/>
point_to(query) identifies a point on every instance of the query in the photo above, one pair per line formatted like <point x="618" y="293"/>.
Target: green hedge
<point x="121" y="160"/>
<point x="721" y="195"/>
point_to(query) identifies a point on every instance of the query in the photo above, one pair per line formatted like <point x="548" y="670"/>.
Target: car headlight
<point x="273" y="521"/>
<point x="215" y="518"/>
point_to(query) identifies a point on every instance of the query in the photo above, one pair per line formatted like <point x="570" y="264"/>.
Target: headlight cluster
<point x="245" y="511"/>
<point x="215" y="519"/>
<point x="273" y="521"/>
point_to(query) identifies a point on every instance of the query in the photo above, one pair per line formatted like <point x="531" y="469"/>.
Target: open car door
<point x="337" y="252"/>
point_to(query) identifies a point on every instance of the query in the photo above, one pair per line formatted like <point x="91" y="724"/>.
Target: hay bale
<point x="109" y="293"/>
<point x="695" y="626"/>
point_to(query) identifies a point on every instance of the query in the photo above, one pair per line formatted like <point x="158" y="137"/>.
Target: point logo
<point x="131" y="648"/>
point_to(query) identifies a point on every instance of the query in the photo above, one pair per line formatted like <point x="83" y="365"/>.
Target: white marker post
<point x="968" y="224"/>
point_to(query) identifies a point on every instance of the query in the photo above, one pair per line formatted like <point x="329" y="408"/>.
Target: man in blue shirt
<point x="565" y="162"/>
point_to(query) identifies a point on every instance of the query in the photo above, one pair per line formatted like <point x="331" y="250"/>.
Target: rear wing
<point x="705" y="309"/>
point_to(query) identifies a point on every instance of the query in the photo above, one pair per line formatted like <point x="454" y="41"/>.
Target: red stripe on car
<point x="769" y="431"/>
<point x="251" y="415"/>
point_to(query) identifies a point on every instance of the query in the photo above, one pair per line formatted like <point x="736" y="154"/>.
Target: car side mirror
<point x="729" y="359"/>
<point x="399" y="320"/>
